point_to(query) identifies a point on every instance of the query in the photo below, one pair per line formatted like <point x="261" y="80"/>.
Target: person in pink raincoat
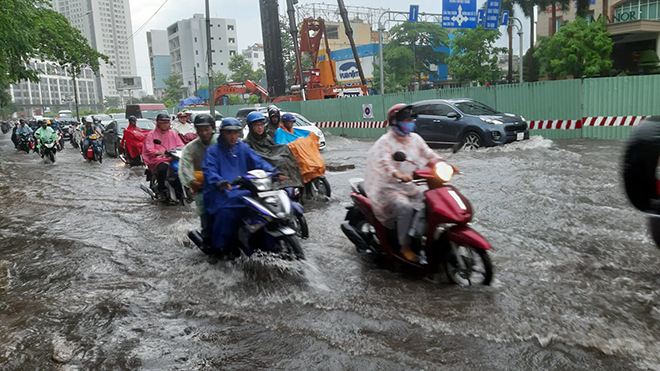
<point x="153" y="154"/>
<point x="394" y="201"/>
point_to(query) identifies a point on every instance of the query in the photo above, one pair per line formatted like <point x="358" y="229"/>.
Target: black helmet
<point x="132" y="118"/>
<point x="163" y="116"/>
<point x="273" y="111"/>
<point x="204" y="120"/>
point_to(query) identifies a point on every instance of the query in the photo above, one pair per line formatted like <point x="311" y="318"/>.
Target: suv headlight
<point x="493" y="121"/>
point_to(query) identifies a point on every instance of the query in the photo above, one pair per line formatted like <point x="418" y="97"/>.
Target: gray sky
<point x="246" y="13"/>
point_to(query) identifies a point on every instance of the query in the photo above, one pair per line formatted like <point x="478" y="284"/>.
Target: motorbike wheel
<point x="358" y="221"/>
<point x="294" y="247"/>
<point x="477" y="265"/>
<point x="51" y="156"/>
<point x="640" y="162"/>
<point x="300" y="225"/>
<point x="321" y="189"/>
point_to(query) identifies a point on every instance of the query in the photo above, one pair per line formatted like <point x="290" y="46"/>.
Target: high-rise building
<point x="107" y="26"/>
<point x="54" y="90"/>
<point x="159" y="59"/>
<point x="188" y="51"/>
<point x="255" y="55"/>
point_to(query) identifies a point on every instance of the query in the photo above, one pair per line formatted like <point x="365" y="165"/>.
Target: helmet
<point x="230" y="123"/>
<point x="89" y="119"/>
<point x="180" y="114"/>
<point x="255" y="116"/>
<point x="273" y="111"/>
<point x="204" y="120"/>
<point x="187" y="111"/>
<point x="399" y="112"/>
<point x="48" y="122"/>
<point x="163" y="117"/>
<point x="132" y="118"/>
<point x="288" y="117"/>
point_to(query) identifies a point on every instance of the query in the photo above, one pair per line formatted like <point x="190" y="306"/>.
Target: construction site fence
<point x="604" y="108"/>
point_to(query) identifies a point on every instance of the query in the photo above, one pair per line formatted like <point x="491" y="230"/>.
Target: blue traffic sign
<point x="504" y="18"/>
<point x="492" y="14"/>
<point x="459" y="13"/>
<point x="414" y="13"/>
<point x="481" y="14"/>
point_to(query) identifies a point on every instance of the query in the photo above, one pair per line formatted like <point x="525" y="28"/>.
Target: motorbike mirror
<point x="157" y="141"/>
<point x="399" y="156"/>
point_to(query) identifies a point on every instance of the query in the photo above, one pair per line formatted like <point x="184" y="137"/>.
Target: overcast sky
<point x="246" y="13"/>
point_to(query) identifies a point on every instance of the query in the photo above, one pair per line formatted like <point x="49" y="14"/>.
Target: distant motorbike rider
<point x="55" y="125"/>
<point x="153" y="154"/>
<point x="190" y="166"/>
<point x="20" y="129"/>
<point x="45" y="132"/>
<point x="88" y="130"/>
<point x="274" y="115"/>
<point x="184" y="127"/>
<point x="132" y="141"/>
<point x="223" y="163"/>
<point x="395" y="203"/>
<point x="279" y="156"/>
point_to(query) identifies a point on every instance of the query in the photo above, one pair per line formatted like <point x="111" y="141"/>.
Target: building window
<point x="232" y="52"/>
<point x="230" y="27"/>
<point x="197" y="65"/>
<point x="195" y="39"/>
<point x="332" y="32"/>
<point x="196" y="52"/>
<point x="232" y="40"/>
<point x="256" y="55"/>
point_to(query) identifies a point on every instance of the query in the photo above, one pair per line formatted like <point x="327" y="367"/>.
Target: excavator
<point x="320" y="82"/>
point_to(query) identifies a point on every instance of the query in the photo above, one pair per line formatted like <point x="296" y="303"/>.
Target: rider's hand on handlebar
<point x="158" y="154"/>
<point x="224" y="186"/>
<point x="281" y="177"/>
<point x="403" y="177"/>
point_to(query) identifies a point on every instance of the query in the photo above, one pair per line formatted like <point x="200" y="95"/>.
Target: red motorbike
<point x="447" y="245"/>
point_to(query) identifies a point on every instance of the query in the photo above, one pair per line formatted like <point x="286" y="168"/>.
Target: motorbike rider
<point x="153" y="154"/>
<point x="190" y="166"/>
<point x="279" y="156"/>
<point x="55" y="125"/>
<point x="182" y="124"/>
<point x="14" y="136"/>
<point x="223" y="163"/>
<point x="44" y="132"/>
<point x="394" y="200"/>
<point x="132" y="141"/>
<point x="21" y="129"/>
<point x="88" y="130"/>
<point x="273" y="120"/>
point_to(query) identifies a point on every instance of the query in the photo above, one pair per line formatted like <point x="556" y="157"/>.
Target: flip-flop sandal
<point x="410" y="256"/>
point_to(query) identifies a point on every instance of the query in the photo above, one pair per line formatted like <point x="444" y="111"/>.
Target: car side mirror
<point x="453" y="115"/>
<point x="157" y="141"/>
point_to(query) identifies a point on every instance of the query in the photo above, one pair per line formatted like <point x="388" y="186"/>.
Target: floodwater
<point x="94" y="275"/>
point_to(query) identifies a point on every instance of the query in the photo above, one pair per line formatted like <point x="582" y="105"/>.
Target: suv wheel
<point x="471" y="141"/>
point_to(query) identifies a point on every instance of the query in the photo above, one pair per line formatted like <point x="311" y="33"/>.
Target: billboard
<point x="347" y="71"/>
<point x="128" y="83"/>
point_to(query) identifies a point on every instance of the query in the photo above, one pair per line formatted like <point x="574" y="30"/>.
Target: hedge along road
<point x="94" y="275"/>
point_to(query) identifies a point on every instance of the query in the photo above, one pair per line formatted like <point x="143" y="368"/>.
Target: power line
<point x="144" y="24"/>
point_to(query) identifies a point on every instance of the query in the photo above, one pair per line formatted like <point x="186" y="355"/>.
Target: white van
<point x="65" y="113"/>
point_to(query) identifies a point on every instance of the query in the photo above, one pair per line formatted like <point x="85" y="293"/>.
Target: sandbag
<point x="307" y="154"/>
<point x="640" y="162"/>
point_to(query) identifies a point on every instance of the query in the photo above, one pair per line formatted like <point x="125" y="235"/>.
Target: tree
<point x="580" y="48"/>
<point x="242" y="70"/>
<point x="112" y="102"/>
<point x="474" y="56"/>
<point x="419" y="41"/>
<point x="289" y="53"/>
<point x="173" y="90"/>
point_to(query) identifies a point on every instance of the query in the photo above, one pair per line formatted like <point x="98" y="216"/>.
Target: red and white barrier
<point x="352" y="125"/>
<point x="613" y="121"/>
<point x="555" y="124"/>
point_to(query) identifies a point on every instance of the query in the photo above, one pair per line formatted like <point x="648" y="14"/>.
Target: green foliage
<point x="173" y="90"/>
<point x="7" y="109"/>
<point x="580" y="48"/>
<point x="533" y="74"/>
<point x="648" y="62"/>
<point x="233" y="99"/>
<point x="410" y="53"/>
<point x="219" y="79"/>
<point x="112" y="102"/>
<point x="114" y="110"/>
<point x="242" y="70"/>
<point x="474" y="56"/>
<point x="253" y="99"/>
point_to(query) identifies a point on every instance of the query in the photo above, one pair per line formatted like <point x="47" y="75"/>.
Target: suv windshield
<point x="142" y="124"/>
<point x="147" y="114"/>
<point x="475" y="108"/>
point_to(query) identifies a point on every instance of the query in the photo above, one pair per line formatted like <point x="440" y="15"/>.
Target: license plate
<point x="520" y="136"/>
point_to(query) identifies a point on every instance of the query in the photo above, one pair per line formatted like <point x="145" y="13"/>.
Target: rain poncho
<point x="222" y="163"/>
<point x="133" y="140"/>
<point x="169" y="140"/>
<point x="191" y="161"/>
<point x="45" y="134"/>
<point x="279" y="156"/>
<point x="383" y="189"/>
<point x="305" y="148"/>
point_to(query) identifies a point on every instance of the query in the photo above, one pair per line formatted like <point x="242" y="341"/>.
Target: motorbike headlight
<point x="444" y="171"/>
<point x="493" y="121"/>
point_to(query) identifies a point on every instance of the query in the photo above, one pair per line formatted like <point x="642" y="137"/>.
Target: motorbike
<point x="318" y="189"/>
<point x="95" y="150"/>
<point x="48" y="149"/>
<point x="175" y="192"/>
<point x="444" y="241"/>
<point x="5" y="128"/>
<point x="26" y="142"/>
<point x="270" y="222"/>
<point x="76" y="138"/>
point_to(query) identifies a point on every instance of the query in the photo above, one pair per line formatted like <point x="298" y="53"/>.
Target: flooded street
<point x="94" y="275"/>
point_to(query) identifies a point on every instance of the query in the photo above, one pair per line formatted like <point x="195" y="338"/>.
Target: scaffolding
<point x="330" y="13"/>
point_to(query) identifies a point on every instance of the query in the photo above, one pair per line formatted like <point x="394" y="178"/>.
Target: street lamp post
<point x="519" y="26"/>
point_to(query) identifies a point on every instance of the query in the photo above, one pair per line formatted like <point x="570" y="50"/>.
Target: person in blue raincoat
<point x="286" y="133"/>
<point x="223" y="163"/>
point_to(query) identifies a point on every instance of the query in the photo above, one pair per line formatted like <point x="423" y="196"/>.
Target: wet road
<point x="93" y="275"/>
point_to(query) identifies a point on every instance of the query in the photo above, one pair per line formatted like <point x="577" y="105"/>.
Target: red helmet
<point x="394" y="110"/>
